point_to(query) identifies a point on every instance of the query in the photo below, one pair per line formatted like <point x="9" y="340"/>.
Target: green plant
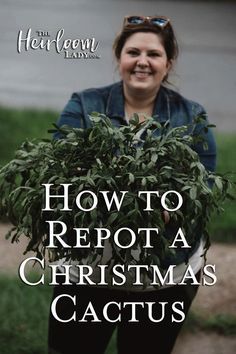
<point x="106" y="158"/>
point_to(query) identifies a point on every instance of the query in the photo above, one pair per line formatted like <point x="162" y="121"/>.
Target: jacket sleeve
<point x="72" y="115"/>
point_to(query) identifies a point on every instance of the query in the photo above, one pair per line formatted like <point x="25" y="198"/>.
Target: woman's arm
<point x="72" y="115"/>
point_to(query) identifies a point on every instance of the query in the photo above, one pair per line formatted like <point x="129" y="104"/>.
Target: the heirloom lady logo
<point x="72" y="48"/>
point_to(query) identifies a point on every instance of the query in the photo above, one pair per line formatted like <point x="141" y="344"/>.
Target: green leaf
<point x="193" y="193"/>
<point x="112" y="218"/>
<point x="218" y="183"/>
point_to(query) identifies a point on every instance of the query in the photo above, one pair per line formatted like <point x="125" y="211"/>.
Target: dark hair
<point x="166" y="34"/>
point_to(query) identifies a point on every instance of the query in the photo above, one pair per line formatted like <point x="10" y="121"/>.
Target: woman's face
<point x="143" y="63"/>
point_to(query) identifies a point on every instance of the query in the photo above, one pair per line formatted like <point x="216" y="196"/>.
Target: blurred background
<point x="205" y="70"/>
<point x="36" y="84"/>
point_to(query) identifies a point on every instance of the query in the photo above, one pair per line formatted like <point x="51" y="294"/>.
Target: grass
<point x="24" y="313"/>
<point x="19" y="125"/>
<point x="223" y="227"/>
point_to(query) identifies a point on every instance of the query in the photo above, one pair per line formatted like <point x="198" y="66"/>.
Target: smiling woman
<point x="145" y="53"/>
<point x="143" y="65"/>
<point x="145" y="50"/>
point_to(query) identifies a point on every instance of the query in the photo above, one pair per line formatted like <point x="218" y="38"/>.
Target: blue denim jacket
<point x="169" y="105"/>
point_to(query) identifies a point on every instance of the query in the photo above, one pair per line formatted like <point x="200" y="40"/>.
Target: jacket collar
<point x="115" y="103"/>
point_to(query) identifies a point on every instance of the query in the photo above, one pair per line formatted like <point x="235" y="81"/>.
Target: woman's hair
<point x="166" y="34"/>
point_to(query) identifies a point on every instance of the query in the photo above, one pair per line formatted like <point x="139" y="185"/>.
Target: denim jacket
<point x="169" y="105"/>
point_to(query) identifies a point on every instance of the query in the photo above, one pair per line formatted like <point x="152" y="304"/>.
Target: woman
<point x="146" y="50"/>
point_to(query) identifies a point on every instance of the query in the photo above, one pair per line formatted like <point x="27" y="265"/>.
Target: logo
<point x="78" y="48"/>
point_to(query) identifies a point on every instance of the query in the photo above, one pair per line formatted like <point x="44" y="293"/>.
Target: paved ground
<point x="205" y="71"/>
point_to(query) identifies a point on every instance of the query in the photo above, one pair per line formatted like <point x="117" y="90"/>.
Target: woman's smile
<point x="140" y="74"/>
